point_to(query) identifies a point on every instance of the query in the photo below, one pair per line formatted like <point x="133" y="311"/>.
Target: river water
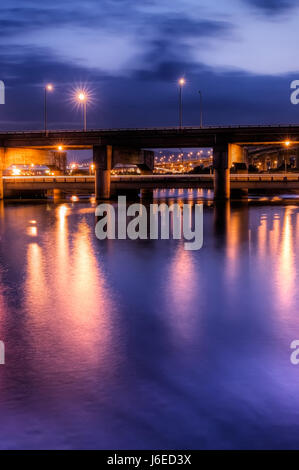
<point x="124" y="344"/>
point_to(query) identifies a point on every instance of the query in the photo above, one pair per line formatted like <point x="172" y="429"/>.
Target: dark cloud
<point x="273" y="6"/>
<point x="19" y="20"/>
<point x="176" y="27"/>
<point x="145" y="96"/>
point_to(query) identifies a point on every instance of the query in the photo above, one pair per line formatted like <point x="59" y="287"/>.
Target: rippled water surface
<point x="141" y="344"/>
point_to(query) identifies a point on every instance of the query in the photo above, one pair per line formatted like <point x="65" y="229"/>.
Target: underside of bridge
<point x="232" y="144"/>
<point x="106" y="157"/>
<point x="267" y="156"/>
<point x="29" y="156"/>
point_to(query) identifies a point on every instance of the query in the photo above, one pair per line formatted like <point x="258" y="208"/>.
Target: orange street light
<point x="181" y="82"/>
<point x="82" y="97"/>
<point x="48" y="87"/>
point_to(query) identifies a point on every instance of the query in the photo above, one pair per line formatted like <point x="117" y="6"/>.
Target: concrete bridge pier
<point x="2" y="152"/>
<point x="221" y="172"/>
<point x="146" y="193"/>
<point x="102" y="157"/>
<point x="237" y="154"/>
<point x="1" y="185"/>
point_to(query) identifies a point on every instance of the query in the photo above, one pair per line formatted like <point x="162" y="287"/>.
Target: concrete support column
<point x="221" y="172"/>
<point x="144" y="192"/>
<point x="102" y="157"/>
<point x="279" y="158"/>
<point x="1" y="185"/>
<point x="245" y="157"/>
<point x="2" y="166"/>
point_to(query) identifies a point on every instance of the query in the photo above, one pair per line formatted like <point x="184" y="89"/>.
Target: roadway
<point x="161" y="137"/>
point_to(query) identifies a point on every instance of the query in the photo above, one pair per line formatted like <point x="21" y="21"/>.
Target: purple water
<point x="141" y="344"/>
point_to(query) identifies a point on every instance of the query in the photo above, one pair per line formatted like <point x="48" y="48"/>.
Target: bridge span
<point x="133" y="146"/>
<point x="15" y="185"/>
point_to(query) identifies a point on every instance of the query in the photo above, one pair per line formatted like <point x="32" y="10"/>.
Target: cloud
<point x="274" y="7"/>
<point x="133" y="52"/>
<point x="113" y="38"/>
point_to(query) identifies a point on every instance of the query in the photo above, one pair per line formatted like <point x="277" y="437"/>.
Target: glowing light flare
<point x="82" y="97"/>
<point x="182" y="81"/>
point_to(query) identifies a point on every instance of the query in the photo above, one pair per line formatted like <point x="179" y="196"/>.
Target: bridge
<point x="131" y="146"/>
<point x="86" y="184"/>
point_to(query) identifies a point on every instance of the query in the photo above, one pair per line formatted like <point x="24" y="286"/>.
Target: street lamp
<point x="200" y="94"/>
<point x="82" y="98"/>
<point x="48" y="87"/>
<point x="182" y="82"/>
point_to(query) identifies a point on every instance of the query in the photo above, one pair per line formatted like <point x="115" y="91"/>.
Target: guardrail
<point x="173" y="128"/>
<point x="48" y="179"/>
<point x="279" y="177"/>
<point x="88" y="179"/>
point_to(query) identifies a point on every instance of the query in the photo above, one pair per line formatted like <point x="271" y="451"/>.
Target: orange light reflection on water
<point x="69" y="306"/>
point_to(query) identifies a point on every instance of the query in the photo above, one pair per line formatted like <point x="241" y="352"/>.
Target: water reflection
<point x="141" y="344"/>
<point x="182" y="284"/>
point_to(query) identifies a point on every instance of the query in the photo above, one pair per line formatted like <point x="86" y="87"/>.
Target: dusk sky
<point x="242" y="54"/>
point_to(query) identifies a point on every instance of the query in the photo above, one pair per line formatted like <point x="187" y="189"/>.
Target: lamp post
<point x="200" y="94"/>
<point x="83" y="99"/>
<point x="182" y="82"/>
<point x="48" y="87"/>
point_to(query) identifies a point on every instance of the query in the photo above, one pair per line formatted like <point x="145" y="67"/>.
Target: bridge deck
<point x="153" y="137"/>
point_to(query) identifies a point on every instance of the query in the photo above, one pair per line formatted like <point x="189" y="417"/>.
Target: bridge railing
<point x="198" y="177"/>
<point x="148" y="129"/>
<point x="48" y="179"/>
